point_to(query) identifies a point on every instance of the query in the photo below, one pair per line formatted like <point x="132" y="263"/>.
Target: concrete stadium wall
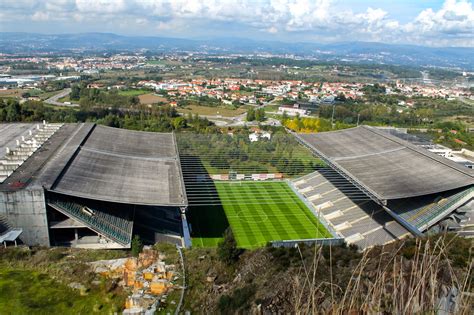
<point x="26" y="209"/>
<point x="320" y="241"/>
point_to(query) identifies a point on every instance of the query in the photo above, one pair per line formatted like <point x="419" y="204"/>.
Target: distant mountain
<point x="460" y="57"/>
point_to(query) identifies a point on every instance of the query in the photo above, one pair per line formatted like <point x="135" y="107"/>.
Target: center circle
<point x="258" y="216"/>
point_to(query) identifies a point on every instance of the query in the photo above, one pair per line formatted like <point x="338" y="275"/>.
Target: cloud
<point x="453" y="17"/>
<point x="101" y="6"/>
<point x="40" y="16"/>
<point x="319" y="20"/>
<point x="272" y="30"/>
<point x="452" y="23"/>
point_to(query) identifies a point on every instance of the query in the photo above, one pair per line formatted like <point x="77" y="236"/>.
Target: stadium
<point x="90" y="186"/>
<point x="377" y="188"/>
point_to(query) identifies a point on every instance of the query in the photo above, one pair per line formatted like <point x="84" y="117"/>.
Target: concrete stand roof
<point x="388" y="167"/>
<point x="125" y="166"/>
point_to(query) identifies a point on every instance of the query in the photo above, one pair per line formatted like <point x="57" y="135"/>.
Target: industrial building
<point x="377" y="188"/>
<point x="90" y="186"/>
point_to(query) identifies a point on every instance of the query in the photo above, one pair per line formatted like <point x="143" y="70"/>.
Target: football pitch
<point x="258" y="212"/>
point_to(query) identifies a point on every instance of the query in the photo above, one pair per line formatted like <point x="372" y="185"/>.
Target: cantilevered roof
<point x="386" y="166"/>
<point x="126" y="167"/>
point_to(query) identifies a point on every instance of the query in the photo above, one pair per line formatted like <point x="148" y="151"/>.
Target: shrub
<point x="239" y="299"/>
<point x="227" y="249"/>
<point x="137" y="246"/>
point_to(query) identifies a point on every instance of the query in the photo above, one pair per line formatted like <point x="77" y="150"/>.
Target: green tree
<point x="260" y="114"/>
<point x="341" y="97"/>
<point x="227" y="249"/>
<point x="179" y="123"/>
<point x="251" y="114"/>
<point x="137" y="246"/>
<point x="13" y="112"/>
<point x="75" y="92"/>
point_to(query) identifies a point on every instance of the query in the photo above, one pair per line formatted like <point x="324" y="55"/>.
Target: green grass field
<point x="133" y="92"/>
<point x="25" y="291"/>
<point x="258" y="212"/>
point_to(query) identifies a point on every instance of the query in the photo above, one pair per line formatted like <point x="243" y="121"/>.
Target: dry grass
<point x="151" y="99"/>
<point x="385" y="281"/>
<point x="212" y="111"/>
<point x="12" y="93"/>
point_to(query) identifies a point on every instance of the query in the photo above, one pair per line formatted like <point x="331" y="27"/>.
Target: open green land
<point x="133" y="92"/>
<point x="37" y="281"/>
<point x="212" y="111"/>
<point x="32" y="292"/>
<point x="257" y="212"/>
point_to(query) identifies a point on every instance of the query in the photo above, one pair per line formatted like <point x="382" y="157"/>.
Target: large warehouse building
<point x="378" y="188"/>
<point x="90" y="186"/>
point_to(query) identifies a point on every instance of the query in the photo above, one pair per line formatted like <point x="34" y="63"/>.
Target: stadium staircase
<point x="104" y="222"/>
<point x="7" y="232"/>
<point x="25" y="147"/>
<point x="347" y="210"/>
<point x="4" y="225"/>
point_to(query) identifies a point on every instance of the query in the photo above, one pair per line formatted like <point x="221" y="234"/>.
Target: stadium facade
<point x="408" y="190"/>
<point x="90" y="186"/>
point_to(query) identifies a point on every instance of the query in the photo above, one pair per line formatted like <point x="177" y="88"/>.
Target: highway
<point x="53" y="100"/>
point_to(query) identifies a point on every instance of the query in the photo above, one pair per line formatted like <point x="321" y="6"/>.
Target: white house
<point x="253" y="137"/>
<point x="292" y="111"/>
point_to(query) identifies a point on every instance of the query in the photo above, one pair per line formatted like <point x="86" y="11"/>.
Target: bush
<point x="137" y="246"/>
<point x="239" y="299"/>
<point x="14" y="254"/>
<point x="227" y="249"/>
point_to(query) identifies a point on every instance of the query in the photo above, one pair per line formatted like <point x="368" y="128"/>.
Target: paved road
<point x="53" y="100"/>
<point x="466" y="101"/>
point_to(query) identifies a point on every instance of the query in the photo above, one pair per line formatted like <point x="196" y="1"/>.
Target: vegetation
<point x="405" y="277"/>
<point x="218" y="153"/>
<point x="227" y="249"/>
<point x="92" y="97"/>
<point x="159" y="119"/>
<point x="135" y="92"/>
<point x="39" y="281"/>
<point x="239" y="300"/>
<point x="309" y="124"/>
<point x="137" y="245"/>
<point x="453" y="135"/>
<point x="211" y="111"/>
<point x="200" y="101"/>
<point x="258" y="115"/>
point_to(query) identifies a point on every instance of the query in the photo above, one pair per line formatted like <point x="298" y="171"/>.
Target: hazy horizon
<point x="434" y="23"/>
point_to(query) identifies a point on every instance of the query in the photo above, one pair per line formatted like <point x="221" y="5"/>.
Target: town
<point x="236" y="157"/>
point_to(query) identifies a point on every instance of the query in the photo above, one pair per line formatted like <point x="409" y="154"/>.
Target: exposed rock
<point x="211" y="279"/>
<point x="77" y="286"/>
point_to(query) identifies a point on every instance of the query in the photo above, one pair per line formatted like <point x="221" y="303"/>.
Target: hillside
<point x="413" y="276"/>
<point x="404" y="277"/>
<point x="357" y="52"/>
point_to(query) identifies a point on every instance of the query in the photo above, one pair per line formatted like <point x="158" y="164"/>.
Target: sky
<point x="420" y="22"/>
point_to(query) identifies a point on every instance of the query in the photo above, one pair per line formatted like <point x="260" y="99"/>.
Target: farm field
<point x="11" y="93"/>
<point x="212" y="111"/>
<point x="151" y="98"/>
<point x="135" y="92"/>
<point x="66" y="98"/>
<point x="257" y="212"/>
